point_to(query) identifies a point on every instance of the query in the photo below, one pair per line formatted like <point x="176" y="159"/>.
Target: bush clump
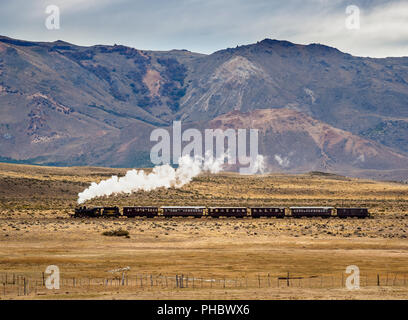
<point x="116" y="233"/>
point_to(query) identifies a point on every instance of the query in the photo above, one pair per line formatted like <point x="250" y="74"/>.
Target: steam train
<point x="217" y="212"/>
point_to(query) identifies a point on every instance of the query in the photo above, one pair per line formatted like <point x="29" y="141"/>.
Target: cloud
<point x="207" y="26"/>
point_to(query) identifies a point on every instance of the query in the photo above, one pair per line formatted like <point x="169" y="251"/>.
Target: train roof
<point x="140" y="207"/>
<point x="226" y="207"/>
<point x="311" y="207"/>
<point x="265" y="207"/>
<point x="181" y="207"/>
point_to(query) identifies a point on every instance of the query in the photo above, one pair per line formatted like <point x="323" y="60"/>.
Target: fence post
<point x="288" y="282"/>
<point x="378" y="280"/>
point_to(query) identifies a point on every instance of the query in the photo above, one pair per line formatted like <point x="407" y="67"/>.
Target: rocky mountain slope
<point x="294" y="141"/>
<point x="318" y="108"/>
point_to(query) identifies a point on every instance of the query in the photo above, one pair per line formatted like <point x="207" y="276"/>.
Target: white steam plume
<point x="260" y="164"/>
<point x="161" y="176"/>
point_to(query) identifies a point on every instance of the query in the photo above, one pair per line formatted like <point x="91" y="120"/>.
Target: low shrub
<point x="116" y="233"/>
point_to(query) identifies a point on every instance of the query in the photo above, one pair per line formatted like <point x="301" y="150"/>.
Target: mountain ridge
<point x="76" y="105"/>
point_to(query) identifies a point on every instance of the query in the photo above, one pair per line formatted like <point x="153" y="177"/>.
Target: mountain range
<point x="316" y="108"/>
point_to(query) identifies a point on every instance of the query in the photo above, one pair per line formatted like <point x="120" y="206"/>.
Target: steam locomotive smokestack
<point x="161" y="176"/>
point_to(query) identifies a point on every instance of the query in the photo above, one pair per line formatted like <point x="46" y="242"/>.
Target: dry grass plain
<point x="36" y="231"/>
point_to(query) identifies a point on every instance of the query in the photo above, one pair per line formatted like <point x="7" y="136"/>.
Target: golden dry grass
<point x="36" y="231"/>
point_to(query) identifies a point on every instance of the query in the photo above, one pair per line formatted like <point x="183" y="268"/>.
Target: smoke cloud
<point x="260" y="164"/>
<point x="161" y="176"/>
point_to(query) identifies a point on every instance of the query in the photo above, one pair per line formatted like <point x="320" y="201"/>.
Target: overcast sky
<point x="207" y="26"/>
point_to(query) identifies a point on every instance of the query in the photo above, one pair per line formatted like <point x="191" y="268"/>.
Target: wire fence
<point x="35" y="284"/>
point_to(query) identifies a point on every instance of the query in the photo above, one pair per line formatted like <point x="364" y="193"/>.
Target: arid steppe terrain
<point x="217" y="259"/>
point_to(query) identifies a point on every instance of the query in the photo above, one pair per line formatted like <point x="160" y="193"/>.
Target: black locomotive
<point x="96" y="212"/>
